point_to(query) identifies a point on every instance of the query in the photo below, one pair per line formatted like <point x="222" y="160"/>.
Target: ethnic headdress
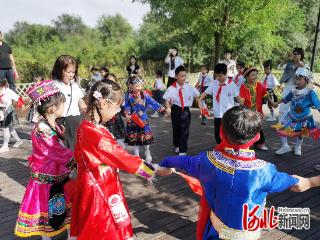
<point x="42" y="90"/>
<point x="304" y="73"/>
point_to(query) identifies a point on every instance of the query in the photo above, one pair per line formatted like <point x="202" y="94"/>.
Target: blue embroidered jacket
<point x="230" y="183"/>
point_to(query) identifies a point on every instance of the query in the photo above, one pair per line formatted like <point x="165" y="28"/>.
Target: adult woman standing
<point x="65" y="74"/>
<point x="132" y="67"/>
<point x="174" y="61"/>
<point x="288" y="77"/>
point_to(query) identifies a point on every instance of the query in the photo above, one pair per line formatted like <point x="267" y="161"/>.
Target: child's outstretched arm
<point x="189" y="164"/>
<point x="114" y="155"/>
<point x="154" y="105"/>
<point x="280" y="181"/>
<point x="305" y="183"/>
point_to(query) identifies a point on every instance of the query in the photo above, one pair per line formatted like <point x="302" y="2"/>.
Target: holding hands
<point x="305" y="183"/>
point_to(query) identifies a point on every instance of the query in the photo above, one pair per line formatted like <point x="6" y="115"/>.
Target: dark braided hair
<point x="54" y="100"/>
<point x="109" y="90"/>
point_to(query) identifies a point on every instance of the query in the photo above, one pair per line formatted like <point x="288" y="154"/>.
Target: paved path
<point x="168" y="210"/>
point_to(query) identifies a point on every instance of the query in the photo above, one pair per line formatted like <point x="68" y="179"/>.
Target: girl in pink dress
<point x="45" y="209"/>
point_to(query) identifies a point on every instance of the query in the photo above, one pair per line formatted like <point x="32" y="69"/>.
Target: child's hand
<point x="162" y="171"/>
<point x="168" y="112"/>
<point x="303" y="184"/>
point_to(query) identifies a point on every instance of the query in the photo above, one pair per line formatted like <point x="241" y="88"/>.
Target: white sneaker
<point x="284" y="149"/>
<point x="4" y="149"/>
<point x="154" y="115"/>
<point x="297" y="150"/>
<point x="263" y="148"/>
<point x="176" y="150"/>
<point x="271" y="119"/>
<point x="17" y="144"/>
<point x="182" y="154"/>
<point x="317" y="167"/>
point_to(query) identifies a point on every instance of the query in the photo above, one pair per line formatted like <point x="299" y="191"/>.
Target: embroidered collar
<point x="300" y="91"/>
<point x="241" y="154"/>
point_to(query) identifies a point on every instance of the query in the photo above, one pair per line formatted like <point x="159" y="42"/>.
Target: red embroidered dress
<point x="99" y="157"/>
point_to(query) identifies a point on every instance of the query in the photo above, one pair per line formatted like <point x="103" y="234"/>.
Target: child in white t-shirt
<point x="203" y="82"/>
<point x="158" y="90"/>
<point x="8" y="117"/>
<point x="270" y="82"/>
<point x="224" y="92"/>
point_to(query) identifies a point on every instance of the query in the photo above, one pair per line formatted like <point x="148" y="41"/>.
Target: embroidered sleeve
<point x="189" y="164"/>
<point x="42" y="131"/>
<point x="145" y="170"/>
<point x="151" y="103"/>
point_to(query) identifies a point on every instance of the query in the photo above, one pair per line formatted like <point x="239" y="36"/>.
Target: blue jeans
<point x="7" y="73"/>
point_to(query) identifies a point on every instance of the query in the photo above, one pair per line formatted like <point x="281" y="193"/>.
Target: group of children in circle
<point x="46" y="207"/>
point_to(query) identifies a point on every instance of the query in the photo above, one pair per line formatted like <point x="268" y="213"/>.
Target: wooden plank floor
<point x="168" y="209"/>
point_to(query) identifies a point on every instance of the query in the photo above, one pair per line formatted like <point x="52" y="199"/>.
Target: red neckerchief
<point x="220" y="89"/>
<point x="180" y="95"/>
<point x="202" y="82"/>
<point x="1" y="101"/>
<point x="226" y="144"/>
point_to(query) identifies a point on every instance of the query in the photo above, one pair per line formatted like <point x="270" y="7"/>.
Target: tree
<point x="69" y="24"/>
<point x="221" y="24"/>
<point x="114" y="28"/>
<point x="26" y="34"/>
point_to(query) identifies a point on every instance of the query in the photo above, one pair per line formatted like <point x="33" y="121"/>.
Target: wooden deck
<point x="168" y="210"/>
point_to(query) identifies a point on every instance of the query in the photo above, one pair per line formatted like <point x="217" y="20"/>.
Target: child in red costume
<point x="99" y="207"/>
<point x="253" y="95"/>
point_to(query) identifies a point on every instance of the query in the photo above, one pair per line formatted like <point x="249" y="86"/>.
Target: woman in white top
<point x="174" y="61"/>
<point x="64" y="72"/>
<point x="288" y="78"/>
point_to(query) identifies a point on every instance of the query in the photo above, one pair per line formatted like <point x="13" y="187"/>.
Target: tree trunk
<point x="217" y="47"/>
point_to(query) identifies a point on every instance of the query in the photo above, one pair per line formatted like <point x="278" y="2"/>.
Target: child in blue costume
<point x="298" y="122"/>
<point x="232" y="176"/>
<point x="137" y="103"/>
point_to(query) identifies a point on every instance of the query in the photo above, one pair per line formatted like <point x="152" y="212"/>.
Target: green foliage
<point x="36" y="47"/>
<point x="201" y="30"/>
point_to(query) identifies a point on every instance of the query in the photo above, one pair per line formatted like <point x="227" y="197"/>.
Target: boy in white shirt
<point x="270" y="83"/>
<point x="179" y="98"/>
<point x="203" y="82"/>
<point x="224" y="93"/>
